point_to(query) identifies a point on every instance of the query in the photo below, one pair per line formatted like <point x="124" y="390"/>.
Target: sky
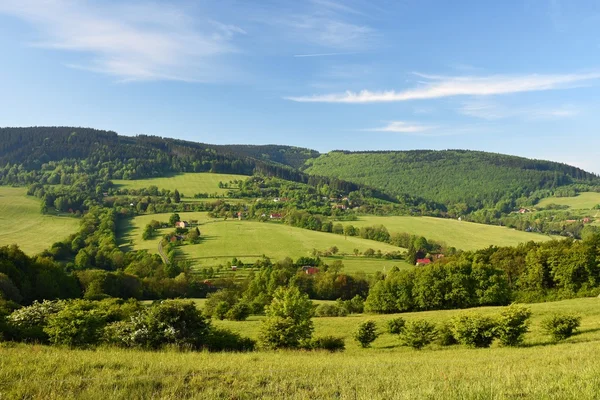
<point x="518" y="77"/>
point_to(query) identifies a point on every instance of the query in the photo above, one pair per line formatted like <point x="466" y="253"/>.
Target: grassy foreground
<point x="539" y="370"/>
<point x="22" y="223"/>
<point x="187" y="183"/>
<point x="460" y="234"/>
<point x="249" y="240"/>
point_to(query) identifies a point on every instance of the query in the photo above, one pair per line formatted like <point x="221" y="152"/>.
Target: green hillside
<point x="22" y="223"/>
<point x="249" y="240"/>
<point x="186" y="183"/>
<point x="583" y="201"/>
<point x="460" y="234"/>
<point x="452" y="176"/>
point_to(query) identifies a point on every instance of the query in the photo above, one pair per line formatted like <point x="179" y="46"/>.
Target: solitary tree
<point x="176" y="196"/>
<point x="288" y="323"/>
<point x="366" y="333"/>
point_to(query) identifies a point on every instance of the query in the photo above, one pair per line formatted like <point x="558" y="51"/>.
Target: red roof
<point x="423" y="261"/>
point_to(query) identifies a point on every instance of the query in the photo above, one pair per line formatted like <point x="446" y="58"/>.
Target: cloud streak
<point x="133" y="41"/>
<point x="402" y="127"/>
<point x="440" y="87"/>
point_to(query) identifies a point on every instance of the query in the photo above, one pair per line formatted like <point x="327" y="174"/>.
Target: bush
<point x="396" y="325"/>
<point x="288" y="321"/>
<point x="239" y="312"/>
<point x="330" y="310"/>
<point x="330" y="343"/>
<point x="513" y="324"/>
<point x="474" y="330"/>
<point x="28" y="323"/>
<point x="418" y="334"/>
<point x="445" y="335"/>
<point x="366" y="333"/>
<point x="561" y="327"/>
<point x="224" y="340"/>
<point x="79" y="324"/>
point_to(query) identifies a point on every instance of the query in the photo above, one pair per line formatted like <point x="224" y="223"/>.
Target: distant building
<point x="182" y="224"/>
<point x="587" y="220"/>
<point x="308" y="270"/>
<point x="423" y="261"/>
<point x="234" y="267"/>
<point x="275" y="216"/>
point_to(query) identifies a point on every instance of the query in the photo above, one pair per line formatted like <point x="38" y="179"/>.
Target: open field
<point x="460" y="234"/>
<point x="539" y="370"/>
<point x="187" y="183"/>
<point x="249" y="240"/>
<point x="583" y="201"/>
<point x="22" y="223"/>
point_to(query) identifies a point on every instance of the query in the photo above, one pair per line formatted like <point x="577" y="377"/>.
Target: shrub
<point x="288" y="321"/>
<point x="561" y="327"/>
<point x="28" y="323"/>
<point x="79" y="324"/>
<point x="330" y="343"/>
<point x="330" y="310"/>
<point x="513" y="324"/>
<point x="366" y="333"/>
<point x="445" y="335"/>
<point x="396" y="325"/>
<point x="474" y="330"/>
<point x="418" y="333"/>
<point x="239" y="312"/>
<point x="224" y="340"/>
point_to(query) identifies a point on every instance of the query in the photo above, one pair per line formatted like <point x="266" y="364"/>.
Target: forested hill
<point x="450" y="176"/>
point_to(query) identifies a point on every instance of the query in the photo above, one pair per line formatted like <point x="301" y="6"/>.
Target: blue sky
<point x="518" y="77"/>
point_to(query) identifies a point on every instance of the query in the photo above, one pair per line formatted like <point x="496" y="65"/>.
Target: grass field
<point x="460" y="234"/>
<point x="22" y="223"/>
<point x="539" y="370"/>
<point x="187" y="183"/>
<point x="583" y="201"/>
<point x="249" y="240"/>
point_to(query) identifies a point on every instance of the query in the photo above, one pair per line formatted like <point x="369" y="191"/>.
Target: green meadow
<point x="187" y="183"/>
<point x="22" y="223"/>
<point x="249" y="240"/>
<point x="538" y="370"/>
<point x="460" y="234"/>
<point x="583" y="201"/>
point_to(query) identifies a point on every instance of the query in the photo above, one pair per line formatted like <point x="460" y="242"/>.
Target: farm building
<point x="275" y="216"/>
<point x="308" y="270"/>
<point x="182" y="224"/>
<point x="423" y="261"/>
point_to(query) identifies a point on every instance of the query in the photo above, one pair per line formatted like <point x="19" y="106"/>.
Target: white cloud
<point x="402" y="127"/>
<point x="132" y="41"/>
<point x="440" y="86"/>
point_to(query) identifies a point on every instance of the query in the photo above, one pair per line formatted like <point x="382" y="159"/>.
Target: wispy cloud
<point x="133" y="41"/>
<point x="441" y="86"/>
<point x="493" y="111"/>
<point x="323" y="55"/>
<point x="402" y="127"/>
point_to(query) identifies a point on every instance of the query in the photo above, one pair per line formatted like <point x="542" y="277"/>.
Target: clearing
<point x="583" y="201"/>
<point x="22" y="223"/>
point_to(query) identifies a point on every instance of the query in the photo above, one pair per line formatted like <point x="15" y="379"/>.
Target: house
<point x="182" y="224"/>
<point x="275" y="216"/>
<point x="438" y="256"/>
<point x="339" y="206"/>
<point x="423" y="261"/>
<point x="587" y="220"/>
<point x="308" y="270"/>
<point x="524" y="210"/>
<point x="234" y="267"/>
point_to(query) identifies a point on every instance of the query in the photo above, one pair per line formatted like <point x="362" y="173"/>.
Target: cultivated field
<point x="187" y="183"/>
<point x="539" y="370"/>
<point x="583" y="201"/>
<point x="249" y="240"/>
<point x="460" y="234"/>
<point x="22" y="223"/>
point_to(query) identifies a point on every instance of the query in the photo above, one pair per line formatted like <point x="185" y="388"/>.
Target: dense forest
<point x="460" y="179"/>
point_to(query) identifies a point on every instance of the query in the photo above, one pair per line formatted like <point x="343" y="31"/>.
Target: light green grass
<point x="249" y="240"/>
<point x="22" y="223"/>
<point x="187" y="183"/>
<point x="540" y="370"/>
<point x="460" y="234"/>
<point x="583" y="201"/>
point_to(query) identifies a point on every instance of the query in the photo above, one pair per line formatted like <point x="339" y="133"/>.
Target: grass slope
<point x="540" y="370"/>
<point x="460" y="234"/>
<point x="22" y="223"/>
<point x="249" y="240"/>
<point x="583" y="201"/>
<point x="187" y="183"/>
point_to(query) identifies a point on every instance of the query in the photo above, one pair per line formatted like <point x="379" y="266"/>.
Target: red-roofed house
<point x="423" y="261"/>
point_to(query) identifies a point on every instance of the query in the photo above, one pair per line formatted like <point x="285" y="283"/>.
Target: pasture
<point x="538" y="370"/>
<point x="460" y="234"/>
<point x="22" y="223"/>
<point x="583" y="201"/>
<point x="187" y="183"/>
<point x="250" y="240"/>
